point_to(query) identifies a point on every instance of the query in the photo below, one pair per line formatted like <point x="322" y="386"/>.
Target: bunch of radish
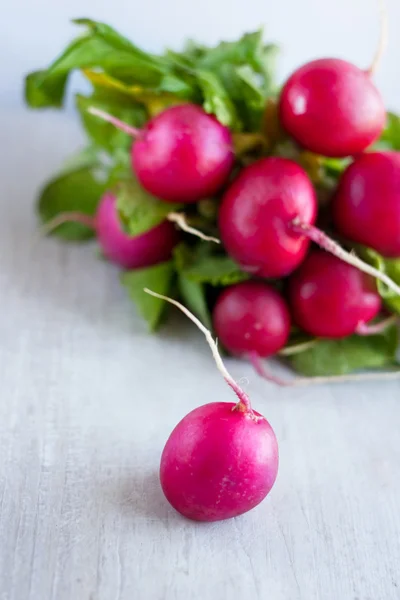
<point x="273" y="215"/>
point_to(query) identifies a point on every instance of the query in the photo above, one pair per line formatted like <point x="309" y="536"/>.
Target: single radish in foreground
<point x="366" y="207"/>
<point x="257" y="212"/>
<point x="332" y="299"/>
<point x="181" y="155"/>
<point x="332" y="107"/>
<point x="144" y="250"/>
<point x="252" y="319"/>
<point x="221" y="460"/>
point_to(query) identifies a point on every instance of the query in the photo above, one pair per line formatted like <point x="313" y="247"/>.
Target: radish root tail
<point x="256" y="361"/>
<point x="383" y="39"/>
<point x="325" y="242"/>
<point x="244" y="401"/>
<point x="376" y="328"/>
<point x="180" y="220"/>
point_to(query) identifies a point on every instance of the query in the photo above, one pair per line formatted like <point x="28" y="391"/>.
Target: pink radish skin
<point x="366" y="207"/>
<point x="330" y="298"/>
<point x="257" y="213"/>
<point x="149" y="248"/>
<point x="251" y="317"/>
<point x="181" y="155"/>
<point x="219" y="462"/>
<point x="332" y="107"/>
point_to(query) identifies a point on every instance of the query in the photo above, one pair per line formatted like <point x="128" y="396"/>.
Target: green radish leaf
<point x="215" y="270"/>
<point x="101" y="47"/>
<point x="390" y="138"/>
<point x="335" y="166"/>
<point x="139" y="211"/>
<point x="158" y="278"/>
<point x="243" y="86"/>
<point x="183" y="256"/>
<point x="78" y="188"/>
<point x="200" y="265"/>
<point x="88" y="157"/>
<point x="231" y="81"/>
<point x="392" y="268"/>
<point x="248" y="50"/>
<point x="338" y="357"/>
<point x="235" y="78"/>
<point x="42" y="91"/>
<point x="216" y="99"/>
<point x="193" y="296"/>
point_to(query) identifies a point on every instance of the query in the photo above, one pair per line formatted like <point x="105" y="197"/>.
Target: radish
<point x="144" y="250"/>
<point x="221" y="460"/>
<point x="256" y="215"/>
<point x="181" y="155"/>
<point x="332" y="107"/>
<point x="251" y="317"/>
<point x="332" y="299"/>
<point x="366" y="207"/>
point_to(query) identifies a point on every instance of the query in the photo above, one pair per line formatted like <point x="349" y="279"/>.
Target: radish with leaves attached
<point x="221" y="460"/>
<point x="130" y="252"/>
<point x="181" y="155"/>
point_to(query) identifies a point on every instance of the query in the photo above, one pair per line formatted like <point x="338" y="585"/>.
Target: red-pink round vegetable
<point x="130" y="252"/>
<point x="330" y="298"/>
<point x="219" y="462"/>
<point x="149" y="248"/>
<point x="366" y="207"/>
<point x="251" y="317"/>
<point x="257" y="213"/>
<point x="181" y="155"/>
<point x="332" y="107"/>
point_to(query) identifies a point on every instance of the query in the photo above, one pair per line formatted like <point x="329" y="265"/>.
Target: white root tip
<point x="383" y="38"/>
<point x="180" y="220"/>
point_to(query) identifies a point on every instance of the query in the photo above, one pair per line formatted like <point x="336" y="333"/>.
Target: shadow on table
<point x="141" y="496"/>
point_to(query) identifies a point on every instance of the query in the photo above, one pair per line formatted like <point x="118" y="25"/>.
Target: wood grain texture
<point x="88" y="399"/>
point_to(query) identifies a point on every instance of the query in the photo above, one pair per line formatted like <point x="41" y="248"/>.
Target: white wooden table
<point x="87" y="400"/>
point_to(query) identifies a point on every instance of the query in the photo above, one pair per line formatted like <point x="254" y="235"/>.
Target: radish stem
<point x="133" y="131"/>
<point x="244" y="404"/>
<point x="256" y="361"/>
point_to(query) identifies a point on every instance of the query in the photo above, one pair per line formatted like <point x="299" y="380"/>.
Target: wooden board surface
<point x="87" y="400"/>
